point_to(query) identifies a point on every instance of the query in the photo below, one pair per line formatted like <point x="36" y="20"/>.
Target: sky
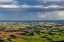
<point x="31" y="9"/>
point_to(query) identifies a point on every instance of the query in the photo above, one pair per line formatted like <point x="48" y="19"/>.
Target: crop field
<point x="31" y="31"/>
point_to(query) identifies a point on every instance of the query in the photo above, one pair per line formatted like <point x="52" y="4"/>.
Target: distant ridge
<point x="31" y="20"/>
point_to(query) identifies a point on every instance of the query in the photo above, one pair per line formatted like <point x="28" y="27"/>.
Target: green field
<point x="31" y="31"/>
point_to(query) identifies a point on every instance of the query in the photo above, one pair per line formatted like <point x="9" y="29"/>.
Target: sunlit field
<point x="31" y="31"/>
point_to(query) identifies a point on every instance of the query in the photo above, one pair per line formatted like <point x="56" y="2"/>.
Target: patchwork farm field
<point x="31" y="31"/>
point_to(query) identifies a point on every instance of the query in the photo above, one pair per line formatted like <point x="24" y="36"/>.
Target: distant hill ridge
<point x="31" y="20"/>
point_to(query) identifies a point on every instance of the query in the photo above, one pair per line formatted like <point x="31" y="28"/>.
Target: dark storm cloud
<point x="40" y="2"/>
<point x="29" y="2"/>
<point x="30" y="9"/>
<point x="24" y="10"/>
<point x="43" y="10"/>
<point x="36" y="2"/>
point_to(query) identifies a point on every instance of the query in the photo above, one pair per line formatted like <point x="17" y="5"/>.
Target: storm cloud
<point x="31" y="10"/>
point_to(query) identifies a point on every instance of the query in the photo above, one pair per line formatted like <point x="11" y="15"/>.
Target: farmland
<point x="31" y="31"/>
